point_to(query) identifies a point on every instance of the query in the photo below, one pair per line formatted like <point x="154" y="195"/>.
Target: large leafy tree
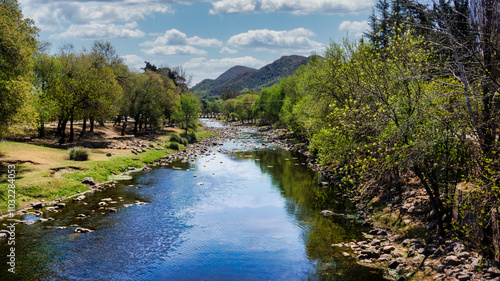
<point x="188" y="111"/>
<point x="18" y="45"/>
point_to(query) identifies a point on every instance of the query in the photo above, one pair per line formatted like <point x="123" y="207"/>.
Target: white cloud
<point x="95" y="30"/>
<point x="296" y="40"/>
<point x="54" y="14"/>
<point x="291" y="6"/>
<point x="176" y="37"/>
<point x="354" y="28"/>
<point x="174" y="50"/>
<point x="197" y="41"/>
<point x="226" y="50"/>
<point x="175" y="42"/>
<point x="133" y="61"/>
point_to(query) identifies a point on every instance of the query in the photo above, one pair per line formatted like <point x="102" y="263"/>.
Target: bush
<point x="233" y="116"/>
<point x="173" y="145"/>
<point x="79" y="154"/>
<point x="177" y="138"/>
<point x="191" y="137"/>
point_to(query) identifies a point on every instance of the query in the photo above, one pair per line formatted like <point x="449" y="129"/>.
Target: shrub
<point x="79" y="154"/>
<point x="191" y="137"/>
<point x="177" y="138"/>
<point x="173" y="145"/>
<point x="233" y="116"/>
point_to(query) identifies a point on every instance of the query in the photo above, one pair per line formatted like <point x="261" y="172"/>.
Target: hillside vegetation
<point x="239" y="78"/>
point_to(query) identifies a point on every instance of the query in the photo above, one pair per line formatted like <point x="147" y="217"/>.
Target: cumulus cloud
<point x="133" y="61"/>
<point x="297" y="40"/>
<point x="354" y="28"/>
<point x="227" y="50"/>
<point x="175" y="42"/>
<point x="96" y="30"/>
<point x="174" y="50"/>
<point x="290" y="6"/>
<point x="52" y="14"/>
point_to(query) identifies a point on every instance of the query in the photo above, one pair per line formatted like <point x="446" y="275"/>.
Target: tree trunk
<point x="63" y="131"/>
<point x="91" y="124"/>
<point x="59" y="125"/>
<point x="136" y="123"/>
<point x="41" y="129"/>
<point x="435" y="200"/>
<point x="84" y="127"/>
<point x="71" y="129"/>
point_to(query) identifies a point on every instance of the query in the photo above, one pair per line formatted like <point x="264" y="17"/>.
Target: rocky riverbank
<point x="404" y="256"/>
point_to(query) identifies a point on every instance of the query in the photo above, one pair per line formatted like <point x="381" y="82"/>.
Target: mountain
<point x="240" y="77"/>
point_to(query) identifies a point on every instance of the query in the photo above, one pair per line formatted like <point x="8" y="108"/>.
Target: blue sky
<point x="204" y="37"/>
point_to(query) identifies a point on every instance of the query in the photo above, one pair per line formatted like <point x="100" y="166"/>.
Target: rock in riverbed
<point x="88" y="180"/>
<point x="327" y="213"/>
<point x="82" y="230"/>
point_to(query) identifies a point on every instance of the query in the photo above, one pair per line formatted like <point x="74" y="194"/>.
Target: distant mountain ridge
<point x="238" y="78"/>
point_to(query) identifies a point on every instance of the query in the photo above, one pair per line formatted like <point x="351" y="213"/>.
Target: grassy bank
<point x="45" y="173"/>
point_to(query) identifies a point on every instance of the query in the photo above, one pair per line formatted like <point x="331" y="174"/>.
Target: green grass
<point x="206" y="134"/>
<point x="44" y="173"/>
<point x="39" y="176"/>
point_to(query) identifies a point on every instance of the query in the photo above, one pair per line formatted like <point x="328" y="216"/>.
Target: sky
<point x="205" y="38"/>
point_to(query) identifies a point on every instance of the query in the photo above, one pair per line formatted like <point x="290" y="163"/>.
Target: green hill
<point x="240" y="77"/>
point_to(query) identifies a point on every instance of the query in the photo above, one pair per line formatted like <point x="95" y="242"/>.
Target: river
<point x="244" y="211"/>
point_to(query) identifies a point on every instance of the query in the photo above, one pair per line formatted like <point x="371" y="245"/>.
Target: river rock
<point x="327" y="213"/>
<point x="388" y="249"/>
<point x="88" y="180"/>
<point x="372" y="253"/>
<point x="82" y="230"/>
<point x="60" y="205"/>
<point x="395" y="263"/>
<point x="378" y="232"/>
<point x="452" y="260"/>
<point x="463" y="277"/>
<point x="79" y="198"/>
<point x="493" y="271"/>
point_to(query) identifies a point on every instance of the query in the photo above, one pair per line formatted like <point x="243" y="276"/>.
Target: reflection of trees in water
<point x="304" y="202"/>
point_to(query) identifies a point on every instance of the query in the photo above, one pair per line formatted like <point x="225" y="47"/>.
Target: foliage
<point x="191" y="137"/>
<point x="18" y="44"/>
<point x="187" y="112"/>
<point x="267" y="106"/>
<point x="178" y="138"/>
<point x="173" y="145"/>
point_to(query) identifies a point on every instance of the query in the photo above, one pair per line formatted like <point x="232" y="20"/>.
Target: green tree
<point x="188" y="111"/>
<point x="18" y="46"/>
<point x="48" y="71"/>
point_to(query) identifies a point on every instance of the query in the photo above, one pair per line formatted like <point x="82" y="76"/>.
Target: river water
<point x="243" y="212"/>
